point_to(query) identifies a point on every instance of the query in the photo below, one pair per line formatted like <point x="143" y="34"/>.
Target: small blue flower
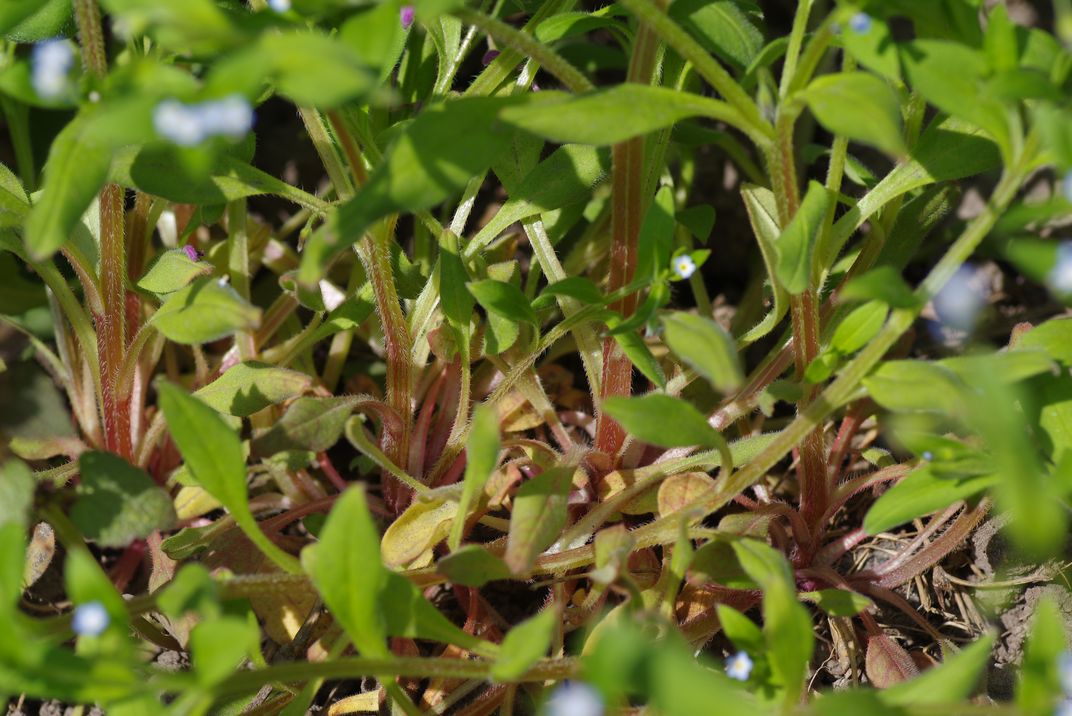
<point x="190" y="124"/>
<point x="1060" y="276"/>
<point x="50" y="68"/>
<point x="860" y="23"/>
<point x="90" y="619"/>
<point x="1064" y="708"/>
<point x="739" y="666"/>
<point x="279" y="5"/>
<point x="927" y="455"/>
<point x="178" y="123"/>
<point x="406" y="15"/>
<point x="573" y="698"/>
<point x="961" y="300"/>
<point x="228" y="117"/>
<point x="1064" y="671"/>
<point x="1066" y="186"/>
<point x="684" y="266"/>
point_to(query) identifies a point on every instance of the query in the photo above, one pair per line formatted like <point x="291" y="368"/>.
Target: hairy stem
<point x="627" y="212"/>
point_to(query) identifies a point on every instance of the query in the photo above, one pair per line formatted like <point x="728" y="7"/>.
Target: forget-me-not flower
<point x="279" y="5"/>
<point x="684" y="266"/>
<point x="190" y="124"/>
<point x="860" y="23"/>
<point x="573" y="698"/>
<point x="739" y="666"/>
<point x="50" y="68"/>
<point x="961" y="300"/>
<point x="90" y="619"/>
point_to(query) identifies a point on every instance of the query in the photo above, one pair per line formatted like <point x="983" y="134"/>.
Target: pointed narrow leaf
<point x="662" y="420"/>
<point x="796" y="245"/>
<point x="859" y="106"/>
<point x="345" y="568"/>
<point x="919" y="494"/>
<point x="203" y="312"/>
<point x="705" y="345"/>
<point x="446" y="146"/>
<point x="481" y="456"/>
<point x="504" y="299"/>
<point x="539" y="515"/>
<point x="524" y="645"/>
<point x="118" y="502"/>
<point x="245" y="388"/>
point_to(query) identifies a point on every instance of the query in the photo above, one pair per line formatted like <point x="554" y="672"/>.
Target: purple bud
<point x="489" y="56"/>
<point x="191" y="253"/>
<point x="406" y="16"/>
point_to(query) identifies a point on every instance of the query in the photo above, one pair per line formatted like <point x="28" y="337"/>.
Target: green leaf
<point x="796" y="245"/>
<point x="706" y="347"/>
<point x="725" y="27"/>
<point x="858" y="106"/>
<point x="503" y="299"/>
<point x="564" y="178"/>
<point x="472" y="566"/>
<point x="883" y="284"/>
<point x="309" y="423"/>
<point x="656" y="240"/>
<point x="949" y="76"/>
<point x="249" y="387"/>
<point x="345" y="568"/>
<point x="376" y="36"/>
<point x="50" y="19"/>
<point x="741" y="630"/>
<point x="948" y="149"/>
<point x="407" y="613"/>
<point x="76" y="170"/>
<point x="203" y="312"/>
<point x="875" y="49"/>
<point x="916" y="386"/>
<point x="213" y="455"/>
<point x="524" y="645"/>
<point x="1008" y="366"/>
<point x="171" y="271"/>
<point x="17" y="488"/>
<point x="919" y="494"/>
<point x="454" y="298"/>
<point x="683" y="686"/>
<point x="838" y="602"/>
<point x="158" y="169"/>
<point x="611" y="116"/>
<point x="118" y="502"/>
<point x="638" y="353"/>
<point x="662" y="420"/>
<point x="218" y="646"/>
<point x="481" y="457"/>
<point x="1040" y="684"/>
<point x="786" y="624"/>
<point x="576" y="287"/>
<point x="953" y="681"/>
<point x="419" y="528"/>
<point x="312" y="69"/>
<point x="14" y="204"/>
<point x="538" y="516"/>
<point x="763" y="216"/>
<point x="858" y="328"/>
<point x="1054" y="336"/>
<point x="853" y="702"/>
<point x="438" y="153"/>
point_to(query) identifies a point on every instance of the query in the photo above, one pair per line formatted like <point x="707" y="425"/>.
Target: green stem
<point x="629" y="202"/>
<point x="673" y="35"/>
<point x="796" y="39"/>
<point x="528" y="46"/>
<point x="847" y="383"/>
<point x="239" y="269"/>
